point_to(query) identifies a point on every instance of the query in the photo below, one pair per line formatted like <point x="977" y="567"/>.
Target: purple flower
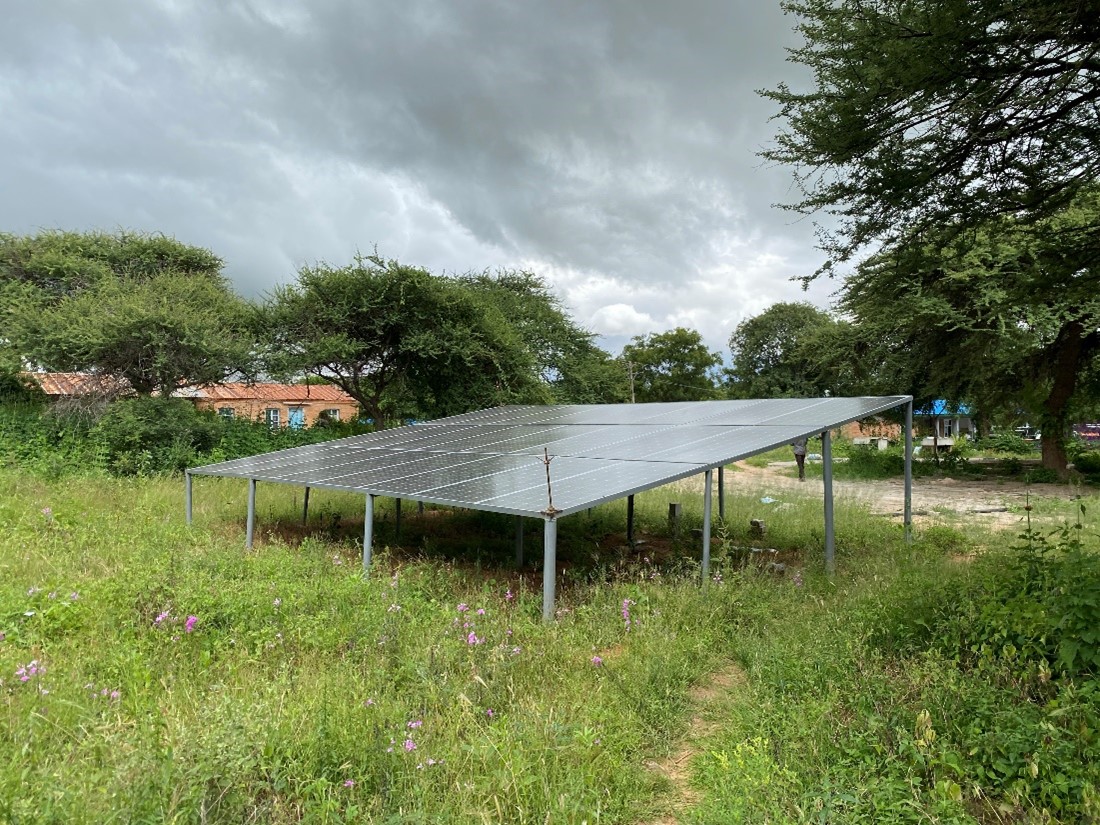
<point x="489" y="713"/>
<point x="369" y="703"/>
<point x="349" y="783"/>
<point x="115" y="694"/>
<point x="509" y="595"/>
<point x="189" y="625"/>
<point x="481" y="611"/>
<point x="597" y="661"/>
<point x="160" y="618"/>
<point x="409" y="745"/>
<point x="415" y="723"/>
<point x="462" y="607"/>
<point x="74" y="596"/>
<point x="48" y="513"/>
<point x="473" y="639"/>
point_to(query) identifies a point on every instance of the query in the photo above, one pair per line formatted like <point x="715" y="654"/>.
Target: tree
<point x="777" y="354"/>
<point x="145" y="309"/>
<point x="929" y="113"/>
<point x="565" y="355"/>
<point x="398" y="339"/>
<point x="671" y="366"/>
<point x="1003" y="316"/>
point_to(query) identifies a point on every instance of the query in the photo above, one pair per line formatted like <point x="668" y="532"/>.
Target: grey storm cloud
<point x="610" y="146"/>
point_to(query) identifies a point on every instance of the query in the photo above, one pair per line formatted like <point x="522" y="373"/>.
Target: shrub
<point x="149" y="435"/>
<point x="1088" y="463"/>
<point x="1009" y="443"/>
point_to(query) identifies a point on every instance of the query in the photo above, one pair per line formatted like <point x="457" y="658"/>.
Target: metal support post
<point x="187" y="496"/>
<point x="908" y="510"/>
<point x="251" y="524"/>
<point x="397" y="520"/>
<point x="519" y="542"/>
<point x="549" y="567"/>
<point x="630" y="520"/>
<point x="706" y="526"/>
<point x="721" y="493"/>
<point x="305" y="507"/>
<point x="368" y="531"/>
<point x="827" y="467"/>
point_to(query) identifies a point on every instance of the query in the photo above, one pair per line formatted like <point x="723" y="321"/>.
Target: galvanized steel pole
<point x="908" y="510"/>
<point x="187" y="496"/>
<point x="706" y="526"/>
<point x="549" y="567"/>
<point x="305" y="507"/>
<point x="368" y="531"/>
<point x="251" y="524"/>
<point x="721" y="493"/>
<point x="519" y="542"/>
<point x="630" y="520"/>
<point x="830" y="538"/>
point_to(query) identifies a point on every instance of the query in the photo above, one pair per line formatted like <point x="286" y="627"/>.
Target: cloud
<point x="611" y="147"/>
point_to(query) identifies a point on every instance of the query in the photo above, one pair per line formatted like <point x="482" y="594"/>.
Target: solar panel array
<point x="493" y="459"/>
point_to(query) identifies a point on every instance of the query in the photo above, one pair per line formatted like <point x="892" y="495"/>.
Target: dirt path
<point x="997" y="503"/>
<point x="707" y="700"/>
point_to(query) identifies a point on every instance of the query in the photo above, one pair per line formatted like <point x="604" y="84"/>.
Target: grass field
<point x="151" y="672"/>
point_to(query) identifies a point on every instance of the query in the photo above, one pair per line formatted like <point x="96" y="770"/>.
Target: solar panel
<point x="492" y="459"/>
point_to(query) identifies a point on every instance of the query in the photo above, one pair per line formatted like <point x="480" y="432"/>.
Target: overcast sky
<point x="610" y="146"/>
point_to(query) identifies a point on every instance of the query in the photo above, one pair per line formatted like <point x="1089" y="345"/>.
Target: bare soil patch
<point x="997" y="503"/>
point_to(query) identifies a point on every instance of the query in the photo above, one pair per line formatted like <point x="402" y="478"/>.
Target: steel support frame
<point x="830" y="531"/>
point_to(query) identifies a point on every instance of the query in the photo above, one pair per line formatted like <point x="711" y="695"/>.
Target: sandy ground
<point x="998" y="503"/>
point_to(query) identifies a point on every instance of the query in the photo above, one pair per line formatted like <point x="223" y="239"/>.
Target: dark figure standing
<point x="800" y="457"/>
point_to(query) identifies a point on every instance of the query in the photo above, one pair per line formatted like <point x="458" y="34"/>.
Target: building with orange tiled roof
<point x="280" y="405"/>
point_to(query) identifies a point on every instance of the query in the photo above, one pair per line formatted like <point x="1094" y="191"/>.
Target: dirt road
<point x="995" y="502"/>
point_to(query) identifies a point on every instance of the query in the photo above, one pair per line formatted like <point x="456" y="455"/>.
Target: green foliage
<point x="907" y="129"/>
<point x="141" y="435"/>
<point x="778" y="354"/>
<point x="1088" y="463"/>
<point x="671" y="366"/>
<point x="1002" y="315"/>
<point x="565" y="356"/>
<point x="401" y="341"/>
<point x="1008" y="443"/>
<point x="143" y="309"/>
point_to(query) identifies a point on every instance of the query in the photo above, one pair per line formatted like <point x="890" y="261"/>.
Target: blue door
<point x="297" y="418"/>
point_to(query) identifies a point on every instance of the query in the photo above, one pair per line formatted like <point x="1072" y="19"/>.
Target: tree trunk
<point x="1069" y="350"/>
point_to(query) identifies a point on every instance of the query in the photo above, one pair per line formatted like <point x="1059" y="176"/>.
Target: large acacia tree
<point x="146" y="309"/>
<point x="398" y="339"/>
<point x="1005" y="316"/>
<point x="566" y="357"/>
<point x="933" y="113"/>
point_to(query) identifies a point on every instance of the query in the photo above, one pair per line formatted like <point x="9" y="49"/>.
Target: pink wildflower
<point x="473" y="639"/>
<point x="489" y="713"/>
<point x="597" y="661"/>
<point x="410" y="745"/>
<point x="462" y="607"/>
<point x="481" y="611"/>
<point x="189" y="625"/>
<point x="415" y="723"/>
<point x="509" y="595"/>
<point x="349" y="783"/>
<point x="160" y="618"/>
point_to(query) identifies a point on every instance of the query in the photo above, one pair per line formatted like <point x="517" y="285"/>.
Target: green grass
<point x="301" y="683"/>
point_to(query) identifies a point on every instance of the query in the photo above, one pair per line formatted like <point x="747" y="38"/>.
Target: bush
<point x="1088" y="463"/>
<point x="1008" y="443"/>
<point x="149" y="435"/>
